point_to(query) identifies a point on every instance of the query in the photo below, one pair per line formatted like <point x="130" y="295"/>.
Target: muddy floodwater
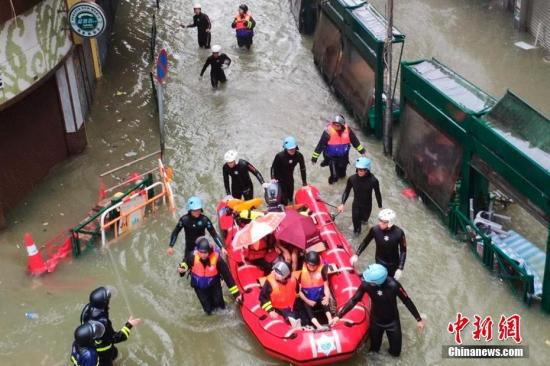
<point x="273" y="91"/>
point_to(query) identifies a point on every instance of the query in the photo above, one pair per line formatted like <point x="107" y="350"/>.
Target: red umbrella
<point x="297" y="230"/>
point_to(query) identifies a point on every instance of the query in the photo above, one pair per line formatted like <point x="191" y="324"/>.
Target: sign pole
<point x="162" y="71"/>
<point x="388" y="116"/>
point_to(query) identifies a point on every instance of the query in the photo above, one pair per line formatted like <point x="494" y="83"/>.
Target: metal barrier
<point x="521" y="282"/>
<point x="104" y="226"/>
<point x="84" y="235"/>
<point x="458" y="222"/>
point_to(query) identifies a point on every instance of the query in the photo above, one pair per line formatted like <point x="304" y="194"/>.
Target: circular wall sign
<point x="87" y="19"/>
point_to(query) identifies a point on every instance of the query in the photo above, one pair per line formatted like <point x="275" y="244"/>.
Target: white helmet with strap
<point x="387" y="215"/>
<point x="230" y="156"/>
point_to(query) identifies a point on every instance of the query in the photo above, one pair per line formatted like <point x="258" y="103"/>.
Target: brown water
<point x="273" y="91"/>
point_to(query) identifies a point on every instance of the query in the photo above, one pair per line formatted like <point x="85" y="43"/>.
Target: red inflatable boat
<point x="302" y="347"/>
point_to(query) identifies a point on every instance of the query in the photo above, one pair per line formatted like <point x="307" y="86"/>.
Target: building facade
<point x="532" y="16"/>
<point x="47" y="80"/>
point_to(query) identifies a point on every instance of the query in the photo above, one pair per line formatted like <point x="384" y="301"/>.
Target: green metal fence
<point x="348" y="49"/>
<point x="505" y="142"/>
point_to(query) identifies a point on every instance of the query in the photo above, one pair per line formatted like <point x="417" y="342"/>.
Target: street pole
<point x="388" y="116"/>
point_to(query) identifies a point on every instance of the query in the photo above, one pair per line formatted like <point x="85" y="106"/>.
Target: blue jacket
<point x="84" y="356"/>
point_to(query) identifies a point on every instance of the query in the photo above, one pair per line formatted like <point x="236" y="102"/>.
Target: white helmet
<point x="216" y="48"/>
<point x="231" y="155"/>
<point x="197" y="6"/>
<point x="387" y="215"/>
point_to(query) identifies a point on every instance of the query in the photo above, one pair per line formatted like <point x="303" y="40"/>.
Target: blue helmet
<point x="194" y="203"/>
<point x="375" y="273"/>
<point x="289" y="143"/>
<point x="362" y="163"/>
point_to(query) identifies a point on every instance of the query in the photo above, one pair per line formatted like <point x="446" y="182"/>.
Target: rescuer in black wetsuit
<point x="217" y="62"/>
<point x="391" y="245"/>
<point x="283" y="166"/>
<point x="335" y="145"/>
<point x="202" y="22"/>
<point x="239" y="170"/>
<point x="383" y="292"/>
<point x="207" y="268"/>
<point x="363" y="184"/>
<point x="98" y="310"/>
<point x="194" y="224"/>
<point x="83" y="352"/>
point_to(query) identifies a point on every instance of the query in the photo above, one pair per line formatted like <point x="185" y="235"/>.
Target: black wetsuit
<point x="202" y="22"/>
<point x="282" y="169"/>
<point x="216" y="72"/>
<point x="245" y="36"/>
<point x="362" y="198"/>
<point x="337" y="165"/>
<point x="391" y="247"/>
<point x="211" y="297"/>
<point x="194" y="228"/>
<point x="384" y="314"/>
<point x="105" y="346"/>
<point x="241" y="184"/>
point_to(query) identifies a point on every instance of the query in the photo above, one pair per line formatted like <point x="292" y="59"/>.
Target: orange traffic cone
<point x="35" y="263"/>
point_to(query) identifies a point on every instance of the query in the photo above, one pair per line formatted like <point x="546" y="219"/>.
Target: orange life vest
<point x="242" y="22"/>
<point x="283" y="295"/>
<point x="338" y="143"/>
<point x="312" y="283"/>
<point x="257" y="250"/>
<point x="201" y="275"/>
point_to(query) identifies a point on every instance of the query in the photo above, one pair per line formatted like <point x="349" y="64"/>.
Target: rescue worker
<point x="194" y="225"/>
<point x="98" y="310"/>
<point x="314" y="289"/>
<point x="335" y="145"/>
<point x="217" y="62"/>
<point x="282" y="168"/>
<point x="278" y="294"/>
<point x="391" y="245"/>
<point x="207" y="269"/>
<point x="383" y="292"/>
<point x="364" y="183"/>
<point x="273" y="197"/>
<point x="239" y="170"/>
<point x="202" y="22"/>
<point x="244" y="27"/>
<point x="83" y="352"/>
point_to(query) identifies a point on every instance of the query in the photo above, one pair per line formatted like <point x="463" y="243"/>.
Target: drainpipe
<point x="520" y="14"/>
<point x="388" y="116"/>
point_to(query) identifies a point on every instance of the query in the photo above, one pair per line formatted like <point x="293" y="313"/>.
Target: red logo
<point x="483" y="328"/>
<point x="508" y="328"/>
<point x="457" y="326"/>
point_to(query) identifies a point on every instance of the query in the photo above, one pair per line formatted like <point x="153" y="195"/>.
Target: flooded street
<point x="273" y="91"/>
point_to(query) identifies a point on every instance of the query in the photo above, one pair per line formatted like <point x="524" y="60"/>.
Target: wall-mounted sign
<point x="87" y="19"/>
